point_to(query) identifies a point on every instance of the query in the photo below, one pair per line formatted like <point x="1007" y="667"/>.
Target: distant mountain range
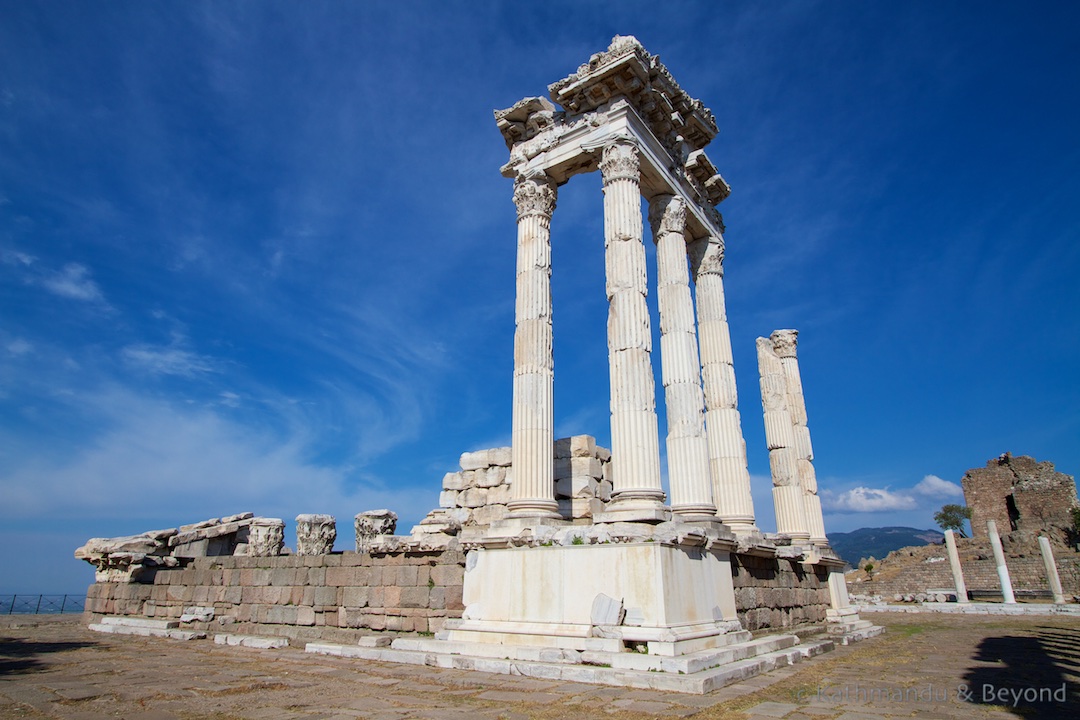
<point x="879" y="542"/>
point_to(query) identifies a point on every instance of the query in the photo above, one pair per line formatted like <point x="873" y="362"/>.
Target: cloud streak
<point x="73" y="281"/>
<point x="165" y="360"/>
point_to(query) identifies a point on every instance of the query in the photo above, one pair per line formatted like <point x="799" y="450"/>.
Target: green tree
<point x="952" y="517"/>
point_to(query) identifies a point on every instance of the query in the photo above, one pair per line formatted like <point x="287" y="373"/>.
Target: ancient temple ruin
<point x="560" y="558"/>
<point x="1021" y="494"/>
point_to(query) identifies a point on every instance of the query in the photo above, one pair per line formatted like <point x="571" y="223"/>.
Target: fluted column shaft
<point x="532" y="430"/>
<point x="687" y="446"/>
<point x="727" y="449"/>
<point x="785" y="343"/>
<point x="635" y="446"/>
<point x="780" y="438"/>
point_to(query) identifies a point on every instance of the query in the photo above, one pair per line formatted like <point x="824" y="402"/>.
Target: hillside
<point x="879" y="542"/>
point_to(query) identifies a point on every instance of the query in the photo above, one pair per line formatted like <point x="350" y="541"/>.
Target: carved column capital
<point x="784" y="342"/>
<point x="620" y="161"/>
<point x="707" y="256"/>
<point x="535" y="194"/>
<point x="667" y="214"/>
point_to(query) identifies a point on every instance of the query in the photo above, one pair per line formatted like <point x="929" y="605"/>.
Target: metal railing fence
<point x="41" y="604"/>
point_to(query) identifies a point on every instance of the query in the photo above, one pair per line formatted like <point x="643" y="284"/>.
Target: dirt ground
<point x="926" y="666"/>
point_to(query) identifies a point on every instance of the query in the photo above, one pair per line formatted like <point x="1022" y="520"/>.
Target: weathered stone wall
<point x="778" y="593"/>
<point x="1020" y="494"/>
<point x="414" y="591"/>
<point x="324" y="596"/>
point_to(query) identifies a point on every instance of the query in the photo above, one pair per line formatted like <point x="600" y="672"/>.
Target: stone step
<point x="124" y="629"/>
<point x="740" y="645"/>
<point x="491" y="650"/>
<point x="724" y="675"/>
<point x="782" y="653"/>
<point x="140" y="622"/>
<point x="262" y="642"/>
<point x="692" y="662"/>
<point x="846" y="627"/>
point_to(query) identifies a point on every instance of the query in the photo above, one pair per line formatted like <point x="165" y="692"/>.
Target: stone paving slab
<point x="154" y="679"/>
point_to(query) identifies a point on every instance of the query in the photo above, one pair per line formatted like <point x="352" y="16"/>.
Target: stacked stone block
<point x="477" y="495"/>
<point x="582" y="477"/>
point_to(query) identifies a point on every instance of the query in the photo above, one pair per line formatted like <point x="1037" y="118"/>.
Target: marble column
<point x="687" y="447"/>
<point x="780" y="438"/>
<point x="1051" y="571"/>
<point x="635" y="447"/>
<point x="785" y="343"/>
<point x="999" y="559"/>
<point x="957" y="570"/>
<point x="532" y="432"/>
<point x="727" y="449"/>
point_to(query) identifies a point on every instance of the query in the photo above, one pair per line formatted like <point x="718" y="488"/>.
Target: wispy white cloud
<point x="932" y="486"/>
<point x="229" y="399"/>
<point x="168" y="360"/>
<point x="19" y="346"/>
<point x="16" y="257"/>
<point x="73" y="281"/>
<point x="160" y="460"/>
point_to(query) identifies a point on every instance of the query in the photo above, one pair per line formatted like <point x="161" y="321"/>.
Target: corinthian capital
<point x="667" y="214"/>
<point x="784" y="342"/>
<point x="707" y="256"/>
<point x="620" y="161"/>
<point x="535" y="194"/>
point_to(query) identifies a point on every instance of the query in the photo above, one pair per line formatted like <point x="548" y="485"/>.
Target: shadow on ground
<point x="1033" y="676"/>
<point x="23" y="656"/>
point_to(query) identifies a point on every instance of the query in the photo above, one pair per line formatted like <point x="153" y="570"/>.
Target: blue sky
<point x="259" y="256"/>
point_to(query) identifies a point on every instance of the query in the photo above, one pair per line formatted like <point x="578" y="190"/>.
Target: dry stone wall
<point x="407" y="591"/>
